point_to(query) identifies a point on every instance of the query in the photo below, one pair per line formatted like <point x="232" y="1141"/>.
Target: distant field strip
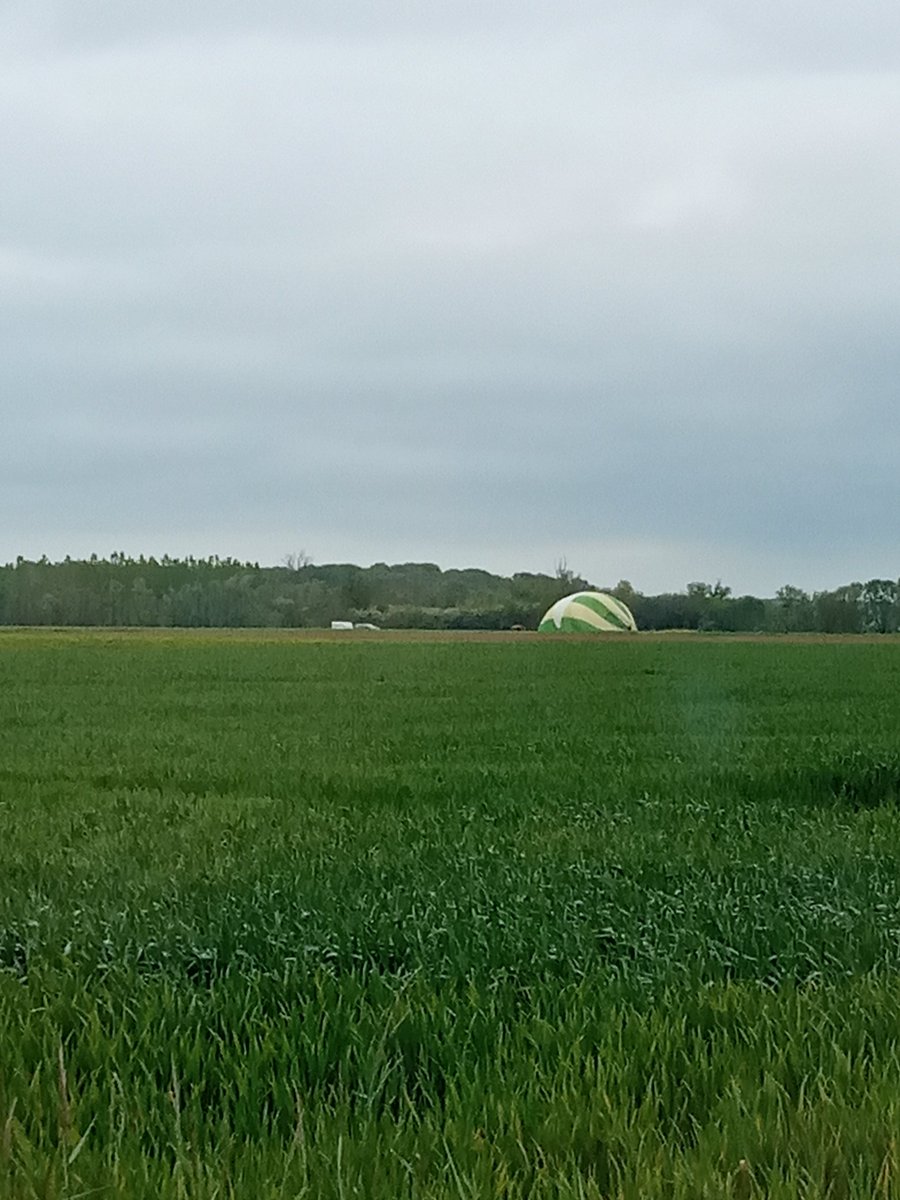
<point x="448" y="917"/>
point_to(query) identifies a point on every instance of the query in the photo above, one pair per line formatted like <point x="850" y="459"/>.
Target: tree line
<point x="194" y="592"/>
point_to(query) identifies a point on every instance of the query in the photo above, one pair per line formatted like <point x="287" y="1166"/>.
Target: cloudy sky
<point x="478" y="282"/>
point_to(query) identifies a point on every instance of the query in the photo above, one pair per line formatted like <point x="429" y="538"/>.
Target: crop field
<point x="444" y="919"/>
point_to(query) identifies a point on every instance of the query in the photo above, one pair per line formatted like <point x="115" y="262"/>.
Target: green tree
<point x="880" y="600"/>
<point x="795" y="612"/>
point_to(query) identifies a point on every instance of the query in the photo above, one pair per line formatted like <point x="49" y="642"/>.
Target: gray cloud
<point x="475" y="283"/>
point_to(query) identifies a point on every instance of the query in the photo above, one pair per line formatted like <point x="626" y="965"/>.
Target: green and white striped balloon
<point x="588" y="612"/>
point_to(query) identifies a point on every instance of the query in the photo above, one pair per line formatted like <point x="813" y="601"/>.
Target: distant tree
<point x="297" y="561"/>
<point x="697" y="605"/>
<point x="795" y="612"/>
<point x="880" y="600"/>
<point x="562" y="572"/>
<point x="748" y="614"/>
<point x="143" y="603"/>
<point x="50" y="609"/>
<point x="625" y="591"/>
<point x="838" y="611"/>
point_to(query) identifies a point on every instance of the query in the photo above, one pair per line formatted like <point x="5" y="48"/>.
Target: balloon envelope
<point x="588" y="612"/>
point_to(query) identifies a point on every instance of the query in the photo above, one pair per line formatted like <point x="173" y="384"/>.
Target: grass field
<point x="448" y="918"/>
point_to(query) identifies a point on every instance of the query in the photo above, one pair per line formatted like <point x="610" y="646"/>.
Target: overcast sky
<point x="479" y="282"/>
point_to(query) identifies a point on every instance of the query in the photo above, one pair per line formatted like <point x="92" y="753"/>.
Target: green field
<point x="515" y="918"/>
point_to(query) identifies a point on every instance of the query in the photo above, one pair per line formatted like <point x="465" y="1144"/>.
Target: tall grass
<point x="543" y="919"/>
